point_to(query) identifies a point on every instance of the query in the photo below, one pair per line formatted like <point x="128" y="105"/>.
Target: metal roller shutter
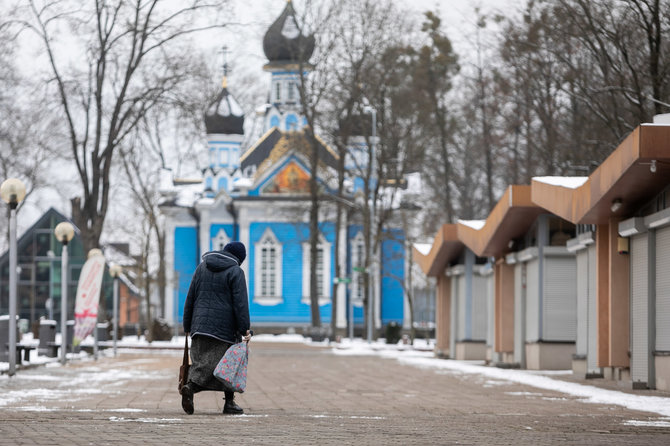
<point x="479" y="310"/>
<point x="592" y="329"/>
<point x="490" y="310"/>
<point x="460" y="308"/>
<point x="639" y="285"/>
<point x="663" y="289"/>
<point x="519" y="316"/>
<point x="532" y="301"/>
<point x="582" y="260"/>
<point x="560" y="299"/>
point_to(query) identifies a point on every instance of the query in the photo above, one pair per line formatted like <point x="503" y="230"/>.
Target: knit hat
<point x="237" y="249"/>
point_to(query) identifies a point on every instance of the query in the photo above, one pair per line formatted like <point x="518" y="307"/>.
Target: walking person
<point x="216" y="315"/>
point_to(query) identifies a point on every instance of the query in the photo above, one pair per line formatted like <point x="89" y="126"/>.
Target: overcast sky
<point x="251" y="20"/>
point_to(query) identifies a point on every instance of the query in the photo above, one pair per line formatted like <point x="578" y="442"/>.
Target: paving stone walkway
<point x="300" y="394"/>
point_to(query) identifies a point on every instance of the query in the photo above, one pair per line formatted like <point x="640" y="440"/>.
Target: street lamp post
<point x="115" y="271"/>
<point x="64" y="232"/>
<point x="12" y="191"/>
<point x="368" y="109"/>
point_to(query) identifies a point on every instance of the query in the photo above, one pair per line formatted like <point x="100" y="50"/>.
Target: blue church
<point x="259" y="195"/>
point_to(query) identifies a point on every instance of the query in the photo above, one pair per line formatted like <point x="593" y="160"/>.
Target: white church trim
<point x="268" y="270"/>
<point x="220" y="240"/>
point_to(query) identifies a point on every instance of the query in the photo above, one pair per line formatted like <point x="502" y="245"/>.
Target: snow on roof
<point x="113" y="255"/>
<point x="188" y="195"/>
<point x="414" y="183"/>
<point x="166" y="184"/>
<point x="243" y="182"/>
<point x="423" y="248"/>
<point x="126" y="280"/>
<point x="568" y="182"/>
<point x="474" y="224"/>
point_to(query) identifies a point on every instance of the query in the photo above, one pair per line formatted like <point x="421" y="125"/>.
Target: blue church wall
<point x="291" y="236"/>
<point x="393" y="274"/>
<point x="185" y="261"/>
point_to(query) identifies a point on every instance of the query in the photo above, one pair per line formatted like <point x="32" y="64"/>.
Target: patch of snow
<point x="523" y="393"/>
<point x="567" y="182"/>
<point x="243" y="183"/>
<point x="423" y="248"/>
<point x="146" y="420"/>
<point x="647" y="423"/>
<point x="289" y="338"/>
<point x="474" y="224"/>
<point x="351" y="417"/>
<point x="586" y="393"/>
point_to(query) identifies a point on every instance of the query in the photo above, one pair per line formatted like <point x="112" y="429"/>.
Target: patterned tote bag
<point x="232" y="368"/>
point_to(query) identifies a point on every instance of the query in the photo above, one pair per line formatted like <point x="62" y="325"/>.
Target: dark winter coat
<point x="217" y="303"/>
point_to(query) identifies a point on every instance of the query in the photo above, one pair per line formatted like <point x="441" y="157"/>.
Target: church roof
<point x="224" y="115"/>
<point x="276" y="142"/>
<point x="284" y="41"/>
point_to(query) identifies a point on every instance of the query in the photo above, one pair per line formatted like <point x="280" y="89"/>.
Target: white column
<point x="13" y="282"/>
<point x="341" y="296"/>
<point x="243" y="223"/>
<point x="63" y="305"/>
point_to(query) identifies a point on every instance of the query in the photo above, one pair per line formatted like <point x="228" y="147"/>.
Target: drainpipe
<point x="196" y="217"/>
<point x="230" y="207"/>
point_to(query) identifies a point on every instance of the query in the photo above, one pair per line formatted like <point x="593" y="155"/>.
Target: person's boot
<point x="230" y="407"/>
<point x="187" y="399"/>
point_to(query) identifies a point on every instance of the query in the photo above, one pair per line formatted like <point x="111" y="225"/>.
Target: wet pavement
<point x="302" y="394"/>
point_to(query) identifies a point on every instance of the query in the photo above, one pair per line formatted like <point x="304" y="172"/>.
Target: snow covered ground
<point x="420" y="355"/>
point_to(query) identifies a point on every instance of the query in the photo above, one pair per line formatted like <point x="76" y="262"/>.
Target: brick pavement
<point x="301" y="394"/>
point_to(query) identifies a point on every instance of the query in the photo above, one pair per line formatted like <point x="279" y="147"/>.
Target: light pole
<point x="64" y="232"/>
<point x="368" y="109"/>
<point x="115" y="271"/>
<point x="13" y="191"/>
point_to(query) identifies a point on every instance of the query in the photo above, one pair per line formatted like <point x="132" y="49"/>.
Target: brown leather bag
<point x="183" y="370"/>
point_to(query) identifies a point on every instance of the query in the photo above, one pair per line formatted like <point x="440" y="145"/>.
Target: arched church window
<point x="220" y="240"/>
<point x="268" y="270"/>
<point x="323" y="253"/>
<point x="274" y="121"/>
<point x="291" y="122"/>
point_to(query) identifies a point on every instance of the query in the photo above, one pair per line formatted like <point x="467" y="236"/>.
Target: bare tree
<point x="131" y="50"/>
<point x="25" y="125"/>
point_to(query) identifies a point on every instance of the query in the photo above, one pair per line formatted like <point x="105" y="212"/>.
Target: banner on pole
<point x="88" y="296"/>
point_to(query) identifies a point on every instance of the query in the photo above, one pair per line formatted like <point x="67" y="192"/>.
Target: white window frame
<point x="220" y="240"/>
<point x="278" y="91"/>
<point x="357" y="278"/>
<point x="325" y="291"/>
<point x="224" y="156"/>
<point x="268" y="240"/>
<point x="291" y="91"/>
<point x="213" y="156"/>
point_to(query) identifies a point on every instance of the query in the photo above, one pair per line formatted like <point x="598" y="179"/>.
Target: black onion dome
<point x="284" y="42"/>
<point x="355" y="125"/>
<point x="224" y="115"/>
